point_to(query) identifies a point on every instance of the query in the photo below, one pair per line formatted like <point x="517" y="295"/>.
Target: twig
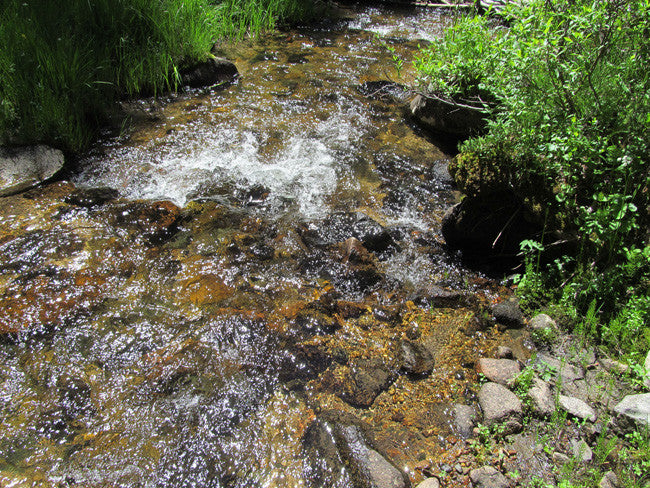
<point x="505" y="226"/>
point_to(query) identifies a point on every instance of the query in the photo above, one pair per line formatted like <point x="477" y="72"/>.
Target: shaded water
<point x="187" y="331"/>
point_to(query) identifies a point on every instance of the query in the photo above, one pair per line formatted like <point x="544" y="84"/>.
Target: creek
<point x="199" y="289"/>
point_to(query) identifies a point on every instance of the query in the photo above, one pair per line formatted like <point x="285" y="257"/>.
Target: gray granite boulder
<point x="541" y="398"/>
<point x="488" y="477"/>
<point x="500" y="407"/>
<point x="22" y="168"/>
<point x="635" y="409"/>
<point x="577" y="408"/>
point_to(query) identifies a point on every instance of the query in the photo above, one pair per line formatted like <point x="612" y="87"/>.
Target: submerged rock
<point x="91" y="197"/>
<point x="340" y="451"/>
<point x="358" y="383"/>
<point x="155" y="221"/>
<point x="22" y="168"/>
<point x="416" y="358"/>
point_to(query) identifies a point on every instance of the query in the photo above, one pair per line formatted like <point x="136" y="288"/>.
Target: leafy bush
<point x="570" y="134"/>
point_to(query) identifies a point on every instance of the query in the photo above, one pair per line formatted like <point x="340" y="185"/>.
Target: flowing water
<point x="185" y="329"/>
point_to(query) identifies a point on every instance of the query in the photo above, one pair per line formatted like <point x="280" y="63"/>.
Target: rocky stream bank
<point x="274" y="326"/>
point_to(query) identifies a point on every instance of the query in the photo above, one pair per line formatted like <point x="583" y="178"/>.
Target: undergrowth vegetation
<point x="63" y="65"/>
<point x="567" y="91"/>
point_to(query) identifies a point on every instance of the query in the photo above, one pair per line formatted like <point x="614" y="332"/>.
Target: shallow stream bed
<point x="239" y="263"/>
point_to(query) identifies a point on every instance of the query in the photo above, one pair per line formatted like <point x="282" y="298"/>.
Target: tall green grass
<point x="64" y="64"/>
<point x="239" y="18"/>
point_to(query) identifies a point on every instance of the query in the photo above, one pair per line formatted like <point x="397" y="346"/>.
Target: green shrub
<point x="569" y="134"/>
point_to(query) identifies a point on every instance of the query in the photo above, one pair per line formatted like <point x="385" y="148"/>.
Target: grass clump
<point x="63" y="65"/>
<point x="568" y="95"/>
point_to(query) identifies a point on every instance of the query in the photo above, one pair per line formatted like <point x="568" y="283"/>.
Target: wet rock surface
<point x="22" y="168"/>
<point x="210" y="72"/>
<point x="195" y="327"/>
<point x="447" y="117"/>
<point x="340" y="452"/>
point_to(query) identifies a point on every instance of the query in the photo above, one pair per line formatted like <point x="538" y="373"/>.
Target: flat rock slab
<point x="500" y="406"/>
<point x="635" y="408"/>
<point x="502" y="371"/>
<point x="488" y="477"/>
<point x="577" y="408"/>
<point x="22" y="168"/>
<point x="541" y="398"/>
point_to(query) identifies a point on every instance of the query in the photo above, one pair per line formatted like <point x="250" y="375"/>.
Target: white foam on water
<point x="423" y="25"/>
<point x="305" y="168"/>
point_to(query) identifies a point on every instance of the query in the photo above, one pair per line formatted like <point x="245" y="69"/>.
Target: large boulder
<point x="488" y="224"/>
<point x="449" y="117"/>
<point x="210" y="72"/>
<point x="22" y="168"/>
